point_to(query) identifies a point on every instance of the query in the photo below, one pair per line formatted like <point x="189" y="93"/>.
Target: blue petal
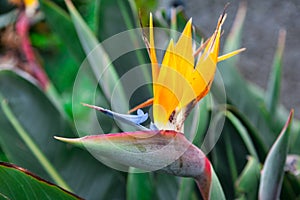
<point x="137" y="119"/>
<point x="134" y="120"/>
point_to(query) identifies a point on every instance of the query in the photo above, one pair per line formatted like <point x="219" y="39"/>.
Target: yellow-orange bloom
<point x="179" y="82"/>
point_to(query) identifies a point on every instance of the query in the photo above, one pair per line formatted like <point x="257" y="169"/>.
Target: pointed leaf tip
<point x="60" y="138"/>
<point x="274" y="83"/>
<point x="273" y="170"/>
<point x="291" y="115"/>
<point x="67" y="140"/>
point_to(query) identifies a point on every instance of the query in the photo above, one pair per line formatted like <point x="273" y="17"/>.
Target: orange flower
<point x="184" y="77"/>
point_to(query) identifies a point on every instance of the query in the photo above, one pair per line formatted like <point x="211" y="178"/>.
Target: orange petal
<point x="155" y="67"/>
<point x="229" y="55"/>
<point x="184" y="50"/>
<point x="142" y="105"/>
<point x="166" y="99"/>
<point x="207" y="63"/>
<point x="185" y="65"/>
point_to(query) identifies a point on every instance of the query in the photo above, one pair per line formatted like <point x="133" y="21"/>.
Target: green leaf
<point x="90" y="13"/>
<point x="97" y="57"/>
<point x="273" y="90"/>
<point x="28" y="123"/>
<point x="290" y="187"/>
<point x="61" y="67"/>
<point x="31" y="144"/>
<point x="166" y="186"/>
<point x="65" y="55"/>
<point x="119" y="13"/>
<point x="19" y="183"/>
<point x="277" y="121"/>
<point x="231" y="158"/>
<point x="103" y="70"/>
<point x="123" y="17"/>
<point x="238" y="90"/>
<point x="260" y="147"/>
<point x="243" y="133"/>
<point x="273" y="169"/>
<point x="55" y="15"/>
<point x="247" y="98"/>
<point x="186" y="189"/>
<point x="3" y="157"/>
<point x="196" y="123"/>
<point x="227" y="160"/>
<point x="216" y="188"/>
<point x="105" y="75"/>
<point x="248" y="181"/>
<point x="140" y="185"/>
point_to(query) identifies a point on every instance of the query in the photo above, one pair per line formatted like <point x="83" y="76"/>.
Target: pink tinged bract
<point x="166" y="151"/>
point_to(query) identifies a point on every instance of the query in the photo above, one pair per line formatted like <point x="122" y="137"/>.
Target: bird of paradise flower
<point x="182" y="79"/>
